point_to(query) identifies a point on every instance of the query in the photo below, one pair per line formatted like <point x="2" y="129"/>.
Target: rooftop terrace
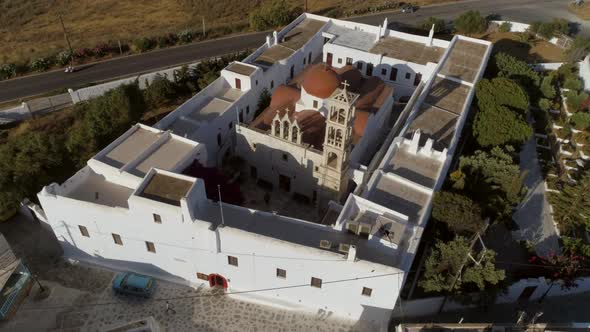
<point x="94" y="188"/>
<point x="130" y="148"/>
<point x="166" y="189"/>
<point x="464" y="60"/>
<point x="360" y="40"/>
<point x="165" y="157"/>
<point x="417" y="168"/>
<point x="398" y="196"/>
<point x="406" y="50"/>
<point x="240" y="68"/>
<point x="434" y="123"/>
<point x="448" y="95"/>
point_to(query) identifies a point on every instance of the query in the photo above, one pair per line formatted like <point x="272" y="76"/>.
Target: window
<point x="117" y="239"/>
<point x="316" y="282"/>
<point x="256" y="82"/>
<point x="383" y="71"/>
<point x="393" y="74"/>
<point x="349" y="61"/>
<point x="359" y="65"/>
<point x="231" y="260"/>
<point x="84" y="231"/>
<point x="202" y="276"/>
<point x="150" y="246"/>
<point x="317" y="169"/>
<point x="272" y="84"/>
<point x="315" y="104"/>
<point x="326" y="39"/>
<point x="231" y="124"/>
<point x="304" y="60"/>
<point x="408" y="75"/>
<point x="254" y="146"/>
<point x="292" y="71"/>
<point x="248" y="109"/>
<point x="309" y="57"/>
<point x="281" y="274"/>
<point x="285" y="157"/>
<point x="417" y="79"/>
<point x="367" y="291"/>
<point x="96" y="195"/>
<point x="340" y="60"/>
<point x="238" y="84"/>
<point x="369" y="69"/>
<point x="157" y="218"/>
<point x="219" y="139"/>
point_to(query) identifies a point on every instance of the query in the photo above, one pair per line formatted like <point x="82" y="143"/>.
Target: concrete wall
<point x="584" y="72"/>
<point x="15" y="114"/>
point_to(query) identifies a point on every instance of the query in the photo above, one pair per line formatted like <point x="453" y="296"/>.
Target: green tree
<point x="498" y="126"/>
<point x="548" y="87"/>
<point x="440" y="25"/>
<point x="263" y="102"/>
<point x="207" y="79"/>
<point x="272" y="15"/>
<point x="573" y="83"/>
<point x="544" y="104"/>
<point x="505" y="27"/>
<point x="510" y="67"/>
<point x="492" y="178"/>
<point x="571" y="206"/>
<point x="575" y="100"/>
<point x="581" y="120"/>
<point x="160" y="91"/>
<point x="471" y="23"/>
<point x="460" y="213"/>
<point x="578" y="50"/>
<point x="501" y="91"/>
<point x="446" y="261"/>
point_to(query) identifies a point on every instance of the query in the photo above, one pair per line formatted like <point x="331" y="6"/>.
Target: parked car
<point x="133" y="283"/>
<point x="408" y="8"/>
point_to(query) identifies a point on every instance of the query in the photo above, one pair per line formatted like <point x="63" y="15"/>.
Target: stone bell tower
<point x="337" y="143"/>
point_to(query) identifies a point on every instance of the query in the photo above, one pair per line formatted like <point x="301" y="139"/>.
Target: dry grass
<point x="582" y="11"/>
<point x="30" y="28"/>
<point x="533" y="52"/>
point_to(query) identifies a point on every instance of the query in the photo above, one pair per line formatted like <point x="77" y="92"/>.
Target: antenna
<point x="220" y="205"/>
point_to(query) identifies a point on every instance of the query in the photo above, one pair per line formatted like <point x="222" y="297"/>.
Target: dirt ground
<point x="533" y="52"/>
<point x="582" y="12"/>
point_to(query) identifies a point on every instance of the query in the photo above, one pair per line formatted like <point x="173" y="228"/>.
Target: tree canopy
<point x="471" y="23"/>
<point x="440" y="25"/>
<point x="499" y="126"/>
<point x="445" y="261"/>
<point x="460" y="213"/>
<point x="510" y="67"/>
<point x="571" y="206"/>
<point x="272" y="15"/>
<point x="501" y="91"/>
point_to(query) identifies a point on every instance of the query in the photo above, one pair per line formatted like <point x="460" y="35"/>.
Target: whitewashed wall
<point x="584" y="72"/>
<point x="14" y="114"/>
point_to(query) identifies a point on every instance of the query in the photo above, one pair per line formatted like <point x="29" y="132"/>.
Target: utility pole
<point x="203" y="26"/>
<point x="67" y="40"/>
<point x="306" y="6"/>
<point x="465" y="260"/>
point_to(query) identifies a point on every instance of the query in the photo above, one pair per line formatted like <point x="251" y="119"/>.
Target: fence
<point x="144" y="80"/>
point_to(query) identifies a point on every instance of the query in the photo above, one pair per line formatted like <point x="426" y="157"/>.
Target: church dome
<point x="284" y="95"/>
<point x="320" y="81"/>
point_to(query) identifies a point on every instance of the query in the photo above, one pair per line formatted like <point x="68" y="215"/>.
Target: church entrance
<point x="284" y="183"/>
<point x="217" y="281"/>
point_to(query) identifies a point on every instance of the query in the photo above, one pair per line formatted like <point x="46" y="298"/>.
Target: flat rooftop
<point x="291" y="42"/>
<point x="398" y="196"/>
<point x="434" y="123"/>
<point x="448" y="95"/>
<point x="360" y="40"/>
<point x="240" y="68"/>
<point x="406" y="50"/>
<point x="130" y="148"/>
<point x="166" y="189"/>
<point x="303" y="233"/>
<point x="165" y="157"/>
<point x="414" y="167"/>
<point x="464" y="60"/>
<point x="96" y="189"/>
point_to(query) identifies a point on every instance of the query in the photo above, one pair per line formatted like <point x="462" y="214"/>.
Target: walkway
<point x="534" y="216"/>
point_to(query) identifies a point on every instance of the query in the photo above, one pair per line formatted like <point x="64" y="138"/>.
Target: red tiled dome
<point x="320" y="81"/>
<point x="284" y="95"/>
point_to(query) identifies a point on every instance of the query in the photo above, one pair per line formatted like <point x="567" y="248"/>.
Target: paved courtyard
<point x="81" y="298"/>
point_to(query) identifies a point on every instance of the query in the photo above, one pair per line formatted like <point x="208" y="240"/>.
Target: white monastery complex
<point x="324" y="194"/>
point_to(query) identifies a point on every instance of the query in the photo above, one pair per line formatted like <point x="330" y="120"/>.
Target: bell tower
<point x="337" y="142"/>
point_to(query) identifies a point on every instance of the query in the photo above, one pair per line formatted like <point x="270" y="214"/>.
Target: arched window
<point x="333" y="114"/>
<point x="278" y="128"/>
<point x="332" y="160"/>
<point x="286" y="130"/>
<point x="219" y="139"/>
<point x="341" y="116"/>
<point x="294" y="134"/>
<point x="339" y="137"/>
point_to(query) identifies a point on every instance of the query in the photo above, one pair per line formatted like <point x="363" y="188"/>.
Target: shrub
<point x="82" y="53"/>
<point x="471" y="23"/>
<point x="272" y="15"/>
<point x="167" y="40"/>
<point x="581" y="120"/>
<point x="101" y="49"/>
<point x="459" y="212"/>
<point x="501" y="91"/>
<point x="63" y="58"/>
<point x="160" y="91"/>
<point x="548" y="88"/>
<point x="185" y="36"/>
<point x="7" y="70"/>
<point x="41" y="64"/>
<point x="439" y="24"/>
<point x="544" y="104"/>
<point x="498" y="125"/>
<point x="263" y="102"/>
<point x="573" y="83"/>
<point x="144" y="44"/>
<point x="505" y="27"/>
<point x="575" y="99"/>
<point x="578" y="50"/>
<point x="510" y="67"/>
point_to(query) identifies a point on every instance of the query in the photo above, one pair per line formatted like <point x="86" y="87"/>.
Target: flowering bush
<point x="41" y="64"/>
<point x="83" y="53"/>
<point x="185" y="36"/>
<point x="7" y="71"/>
<point x="63" y="58"/>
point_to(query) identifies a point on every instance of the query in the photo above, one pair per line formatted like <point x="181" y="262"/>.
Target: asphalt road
<point x="517" y="10"/>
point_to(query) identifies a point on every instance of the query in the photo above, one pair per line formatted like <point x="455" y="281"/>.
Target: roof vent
<point x="344" y="248"/>
<point x="325" y="244"/>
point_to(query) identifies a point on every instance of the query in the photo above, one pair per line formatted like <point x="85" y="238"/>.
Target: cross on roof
<point x="346" y="84"/>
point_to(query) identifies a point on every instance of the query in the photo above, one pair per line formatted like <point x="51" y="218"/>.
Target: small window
<point x="219" y="139"/>
<point x="367" y="291"/>
<point x="349" y="61"/>
<point x="285" y="157"/>
<point x="248" y="109"/>
<point x="316" y="282"/>
<point x="254" y="146"/>
<point x="117" y="239"/>
<point x="408" y="75"/>
<point x="369" y="71"/>
<point x="315" y="104"/>
<point x="393" y="74"/>
<point x="231" y="260"/>
<point x="84" y="231"/>
<point x="304" y="60"/>
<point x="272" y="84"/>
<point x="231" y="124"/>
<point x="383" y="71"/>
<point x="317" y="169"/>
<point x="281" y="273"/>
<point x="359" y="65"/>
<point x="96" y="195"/>
<point x="150" y="246"/>
<point x="417" y="79"/>
<point x="339" y="60"/>
<point x="157" y="218"/>
<point x="202" y="276"/>
<point x="256" y="82"/>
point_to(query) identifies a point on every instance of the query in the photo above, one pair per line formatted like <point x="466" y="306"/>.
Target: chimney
<point x="276" y="37"/>
<point x="351" y="254"/>
<point x="385" y="23"/>
<point x="378" y="36"/>
<point x="268" y="41"/>
<point x="430" y="36"/>
<point x="415" y="142"/>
